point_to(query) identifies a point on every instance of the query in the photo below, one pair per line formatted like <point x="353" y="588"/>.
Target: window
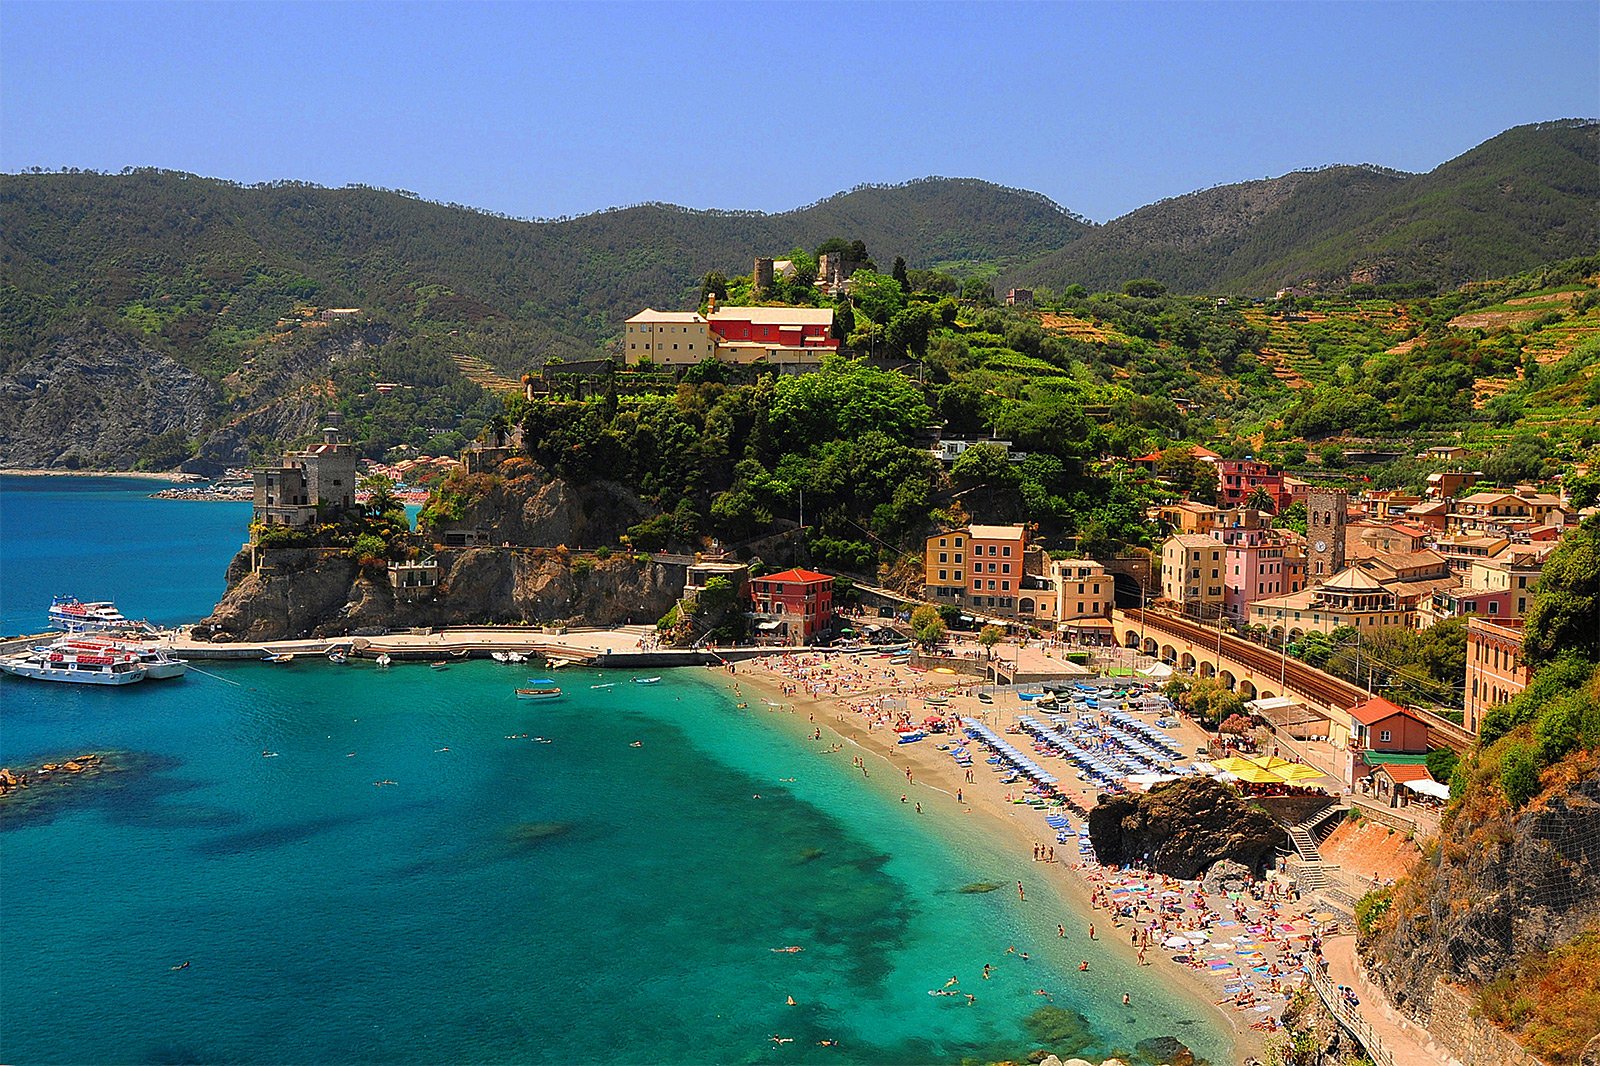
<point x="942" y="558"/>
<point x="1005" y="568"/>
<point x="942" y="575"/>
<point x="1384" y="737"/>
<point x="1006" y="550"/>
<point x="958" y="573"/>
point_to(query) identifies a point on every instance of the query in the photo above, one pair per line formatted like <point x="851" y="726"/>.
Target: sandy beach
<point x="148" y="475"/>
<point x="845" y="700"/>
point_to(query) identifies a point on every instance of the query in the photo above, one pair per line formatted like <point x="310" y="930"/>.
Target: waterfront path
<point x="1406" y="1043"/>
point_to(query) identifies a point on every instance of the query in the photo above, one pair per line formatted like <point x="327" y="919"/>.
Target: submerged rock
<point x="1060" y="1029"/>
<point x="527" y="834"/>
<point x="1164" y="1051"/>
<point x="980" y="886"/>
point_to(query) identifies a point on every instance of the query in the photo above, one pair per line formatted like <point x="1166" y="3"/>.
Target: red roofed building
<point x="1379" y="729"/>
<point x="792" y="606"/>
<point x="1388" y="781"/>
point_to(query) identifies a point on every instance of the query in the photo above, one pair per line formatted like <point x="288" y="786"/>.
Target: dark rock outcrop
<point x="537" y="509"/>
<point x="298" y="592"/>
<point x="1497" y="887"/>
<point x="1184" y="827"/>
<point x="95" y="398"/>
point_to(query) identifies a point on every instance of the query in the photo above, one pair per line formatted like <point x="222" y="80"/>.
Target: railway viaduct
<point x="1253" y="671"/>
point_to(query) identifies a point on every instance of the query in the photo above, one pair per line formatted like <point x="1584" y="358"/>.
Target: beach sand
<point x="936" y="780"/>
<point x="148" y="475"/>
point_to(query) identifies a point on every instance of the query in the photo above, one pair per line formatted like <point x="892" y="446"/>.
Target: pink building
<point x="1237" y="480"/>
<point x="1255" y="564"/>
<point x="994" y="565"/>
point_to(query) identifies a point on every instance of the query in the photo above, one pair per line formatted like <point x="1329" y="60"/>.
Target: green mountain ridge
<point x="1524" y="197"/>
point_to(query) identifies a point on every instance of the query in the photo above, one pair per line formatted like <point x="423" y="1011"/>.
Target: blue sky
<point x="551" y="109"/>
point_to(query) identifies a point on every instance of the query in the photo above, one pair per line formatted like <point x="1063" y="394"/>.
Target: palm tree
<point x="1261" y="500"/>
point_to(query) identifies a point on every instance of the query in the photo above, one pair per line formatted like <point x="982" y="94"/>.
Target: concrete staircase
<point x="1311" y="870"/>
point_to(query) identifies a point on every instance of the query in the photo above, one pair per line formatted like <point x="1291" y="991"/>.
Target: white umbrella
<point x="1175" y="942"/>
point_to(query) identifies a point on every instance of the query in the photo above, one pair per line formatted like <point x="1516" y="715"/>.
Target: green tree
<point x="715" y="284"/>
<point x="1261" y="500"/>
<point x="1565" y="613"/>
<point x="878" y="296"/>
<point x="381" y="498"/>
<point x="899" y="274"/>
<point x="989" y="636"/>
<point x="1441" y="764"/>
<point x="927" y="625"/>
<point x="1146" y="287"/>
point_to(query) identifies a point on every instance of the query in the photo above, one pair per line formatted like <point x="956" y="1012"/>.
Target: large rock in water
<point x="1184" y="827"/>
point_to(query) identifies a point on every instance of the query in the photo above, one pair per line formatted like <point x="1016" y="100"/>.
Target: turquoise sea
<point x="503" y="899"/>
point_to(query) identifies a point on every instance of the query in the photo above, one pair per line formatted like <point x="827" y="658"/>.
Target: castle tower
<point x="1326" y="510"/>
<point x="761" y="277"/>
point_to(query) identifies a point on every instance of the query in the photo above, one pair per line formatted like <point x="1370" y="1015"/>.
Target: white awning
<point x="1436" y="789"/>
<point x="1157" y="671"/>
<point x="1276" y="703"/>
<point x="769" y="626"/>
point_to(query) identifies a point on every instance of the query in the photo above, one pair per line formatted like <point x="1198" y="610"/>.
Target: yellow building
<point x="668" y="338"/>
<point x="1351" y="597"/>
<point x="1083" y="596"/>
<point x="1191" y="573"/>
<point x="944" y="566"/>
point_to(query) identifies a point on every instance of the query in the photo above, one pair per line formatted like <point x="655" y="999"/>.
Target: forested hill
<point x="1529" y="196"/>
<point x="188" y="247"/>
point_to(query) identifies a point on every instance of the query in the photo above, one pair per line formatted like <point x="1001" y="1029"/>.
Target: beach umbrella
<point x="1299" y="772"/>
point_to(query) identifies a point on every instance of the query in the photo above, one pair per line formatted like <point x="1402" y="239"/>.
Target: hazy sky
<point x="550" y="109"/>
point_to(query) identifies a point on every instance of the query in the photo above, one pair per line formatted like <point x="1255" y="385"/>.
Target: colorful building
<point x="1381" y="732"/>
<point x="944" y="566"/>
<point x="667" y="338"/>
<point x="994" y="566"/>
<point x="792" y="606"/>
<point x="1084" y="597"/>
<point x="773" y="334"/>
<point x="1495" y="667"/>
<point x="1237" y="481"/>
<point x="1191" y="573"/>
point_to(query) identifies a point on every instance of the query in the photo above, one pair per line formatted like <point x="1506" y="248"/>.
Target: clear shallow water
<point x="506" y="900"/>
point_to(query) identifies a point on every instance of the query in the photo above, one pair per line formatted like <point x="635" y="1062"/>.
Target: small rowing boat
<point x="384" y="660"/>
<point x="440" y="665"/>
<point x="538" y="693"/>
<point x="608" y="684"/>
<point x="647" y="680"/>
<point x="278" y="657"/>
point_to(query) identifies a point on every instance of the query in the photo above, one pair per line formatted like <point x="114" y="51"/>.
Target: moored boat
<point x="81" y="668"/>
<point x="647" y="680"/>
<point x="538" y="693"/>
<point x="280" y="657"/>
<point x="383" y="661"/>
<point x="158" y="665"/>
<point x="75" y="616"/>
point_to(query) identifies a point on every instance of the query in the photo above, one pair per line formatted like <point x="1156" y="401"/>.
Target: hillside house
<point x="792" y="607"/>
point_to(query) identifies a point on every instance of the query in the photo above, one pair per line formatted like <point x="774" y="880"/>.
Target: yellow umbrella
<point x="1245" y="770"/>
<point x="1269" y="762"/>
<point x="1299" y="772"/>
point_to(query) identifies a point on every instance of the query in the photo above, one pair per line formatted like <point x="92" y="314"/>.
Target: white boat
<point x="42" y="664"/>
<point x="556" y="664"/>
<point x="383" y="660"/>
<point x="158" y="665"/>
<point x="337" y="656"/>
<point x="538" y="693"/>
<point x="282" y="657"/>
<point x="75" y="616"/>
<point x="647" y="680"/>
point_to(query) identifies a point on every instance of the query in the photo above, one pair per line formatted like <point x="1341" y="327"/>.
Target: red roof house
<point x="792" y="606"/>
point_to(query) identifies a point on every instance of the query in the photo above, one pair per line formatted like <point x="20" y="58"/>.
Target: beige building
<point x="1351" y="597"/>
<point x="1514" y="570"/>
<point x="1192" y="573"/>
<point x="1083" y="594"/>
<point x="668" y="338"/>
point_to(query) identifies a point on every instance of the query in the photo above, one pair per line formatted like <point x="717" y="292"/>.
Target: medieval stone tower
<point x="1325" y="518"/>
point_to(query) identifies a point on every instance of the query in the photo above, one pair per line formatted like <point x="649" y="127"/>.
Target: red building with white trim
<point x="792" y="606"/>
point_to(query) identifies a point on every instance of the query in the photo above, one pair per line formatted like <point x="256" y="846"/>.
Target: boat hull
<point x="538" y="694"/>
<point x="44" y="672"/>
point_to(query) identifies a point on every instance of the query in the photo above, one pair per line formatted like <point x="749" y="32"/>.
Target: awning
<point x="1157" y="671"/>
<point x="1436" y="789"/>
<point x="1087" y="623"/>
<point x="1276" y="703"/>
<point x="769" y="626"/>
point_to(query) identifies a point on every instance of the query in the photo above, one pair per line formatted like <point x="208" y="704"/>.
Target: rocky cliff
<point x="522" y="504"/>
<point x="1495" y="887"/>
<point x="94" y="398"/>
<point x="299" y="592"/>
<point x="1183" y="827"/>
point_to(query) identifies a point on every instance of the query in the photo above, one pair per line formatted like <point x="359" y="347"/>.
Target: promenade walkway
<point x="1400" y="1041"/>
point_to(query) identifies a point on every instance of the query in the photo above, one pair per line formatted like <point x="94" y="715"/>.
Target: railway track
<point x="1308" y="681"/>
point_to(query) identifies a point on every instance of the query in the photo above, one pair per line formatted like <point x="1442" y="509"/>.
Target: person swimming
<point x="790" y="950"/>
<point x="184" y="965"/>
<point x="954" y="980"/>
<point x="637" y="744"/>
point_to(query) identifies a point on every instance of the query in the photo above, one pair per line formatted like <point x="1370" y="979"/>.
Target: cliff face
<point x="95" y="399"/>
<point x="307" y="592"/>
<point x="1184" y="827"/>
<point x="529" y="507"/>
<point x="1496" y="887"/>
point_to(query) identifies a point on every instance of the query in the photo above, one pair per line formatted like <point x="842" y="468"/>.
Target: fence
<point x="1349" y="1017"/>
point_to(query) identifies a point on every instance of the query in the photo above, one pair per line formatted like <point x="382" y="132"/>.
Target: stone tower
<point x="761" y="276"/>
<point x="1325" y="518"/>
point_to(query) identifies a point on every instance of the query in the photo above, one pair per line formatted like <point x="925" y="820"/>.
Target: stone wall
<point x="1471" y="1040"/>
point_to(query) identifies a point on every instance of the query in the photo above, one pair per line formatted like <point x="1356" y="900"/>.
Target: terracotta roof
<point x="775" y="316"/>
<point x="1376" y="710"/>
<point x="794" y="574"/>
<point x="1352" y="579"/>
<point x="1400" y="773"/>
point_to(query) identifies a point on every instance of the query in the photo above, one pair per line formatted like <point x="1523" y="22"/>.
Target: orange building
<point x="792" y="606"/>
<point x="1495" y="668"/>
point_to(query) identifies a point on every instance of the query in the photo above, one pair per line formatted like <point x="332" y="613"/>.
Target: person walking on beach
<point x="1061" y="931"/>
<point x="1091" y="930"/>
<point x="1021" y="896"/>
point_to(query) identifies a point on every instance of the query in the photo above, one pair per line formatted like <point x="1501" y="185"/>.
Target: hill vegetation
<point x="1522" y="198"/>
<point x="232" y="285"/>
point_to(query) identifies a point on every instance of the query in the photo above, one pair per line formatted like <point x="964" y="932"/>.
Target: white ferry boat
<point x="45" y="664"/>
<point x="158" y="665"/>
<point x="75" y="616"/>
